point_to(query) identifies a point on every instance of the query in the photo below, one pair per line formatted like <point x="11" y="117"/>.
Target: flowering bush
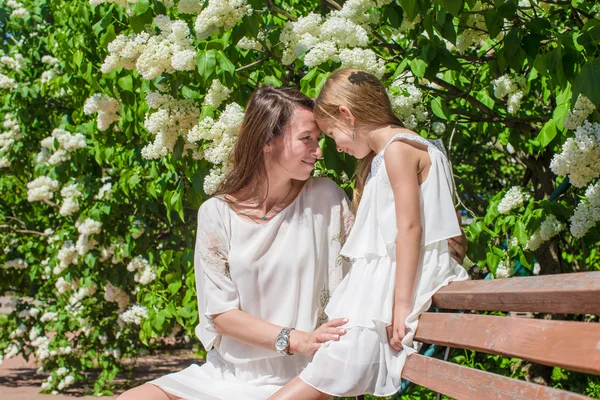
<point x="119" y="117"/>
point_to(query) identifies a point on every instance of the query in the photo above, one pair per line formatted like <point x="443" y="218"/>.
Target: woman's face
<point x="295" y="153"/>
<point x="341" y="132"/>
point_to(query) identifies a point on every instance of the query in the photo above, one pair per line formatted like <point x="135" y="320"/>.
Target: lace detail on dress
<point x="213" y="253"/>
<point x="378" y="159"/>
<point x="324" y="297"/>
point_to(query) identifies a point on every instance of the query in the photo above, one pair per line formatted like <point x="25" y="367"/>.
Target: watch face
<point x="281" y="343"/>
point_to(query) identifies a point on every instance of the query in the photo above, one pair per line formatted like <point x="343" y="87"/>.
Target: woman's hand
<point x="397" y="330"/>
<point x="307" y="343"/>
<point x="458" y="245"/>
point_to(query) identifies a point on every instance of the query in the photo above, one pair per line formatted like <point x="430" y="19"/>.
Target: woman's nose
<point x="318" y="153"/>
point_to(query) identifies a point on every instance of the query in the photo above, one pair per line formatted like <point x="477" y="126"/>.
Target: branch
<point x="278" y="10"/>
<point x="251" y="64"/>
<point x="24" y="231"/>
<point x="334" y="4"/>
<point x="456" y="92"/>
<point x="384" y="43"/>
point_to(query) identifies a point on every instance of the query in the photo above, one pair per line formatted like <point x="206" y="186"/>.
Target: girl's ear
<point x="346" y="113"/>
<point x="268" y="148"/>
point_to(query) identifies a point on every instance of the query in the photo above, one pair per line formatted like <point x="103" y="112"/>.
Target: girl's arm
<point x="260" y="333"/>
<point x="402" y="162"/>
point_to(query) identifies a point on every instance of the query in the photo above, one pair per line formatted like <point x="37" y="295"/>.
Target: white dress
<point x="281" y="271"/>
<point x="362" y="360"/>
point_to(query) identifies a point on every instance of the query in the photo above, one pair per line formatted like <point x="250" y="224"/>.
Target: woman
<point x="266" y="259"/>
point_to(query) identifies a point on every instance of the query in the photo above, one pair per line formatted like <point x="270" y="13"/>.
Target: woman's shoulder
<point x="324" y="186"/>
<point x="212" y="208"/>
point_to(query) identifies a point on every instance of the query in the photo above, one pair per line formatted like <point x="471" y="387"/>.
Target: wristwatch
<point x="282" y="341"/>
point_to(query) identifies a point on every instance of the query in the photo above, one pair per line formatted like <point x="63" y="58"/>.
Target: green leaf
<point x="175" y="286"/>
<point x="588" y="82"/>
<point x="126" y="83"/>
<point x="493" y="22"/>
<point x="207" y="62"/>
<point x="454" y="7"/>
<point x="418" y="67"/>
<point x="225" y="64"/>
<point x="410" y="8"/>
<point x="547" y="134"/>
<point x="440" y="109"/>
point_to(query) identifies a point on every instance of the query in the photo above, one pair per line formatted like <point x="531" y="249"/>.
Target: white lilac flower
<point x="62" y="285"/>
<point x="438" y="127"/>
<point x="513" y="88"/>
<point x="5" y="162"/>
<point x="51" y="154"/>
<point x="364" y="59"/>
<point x="6" y="82"/>
<point x="11" y="351"/>
<point x="16" y="264"/>
<point x="41" y="189"/>
<point x="217" y="94"/>
<point x="583" y="108"/>
<point x="50" y="60"/>
<point x="172" y="119"/>
<point x="84" y="244"/>
<point x="114" y="294"/>
<point x="306" y="28"/>
<point x="104" y="192"/>
<point x="505" y="269"/>
<point x="587" y="212"/>
<point x="124" y="51"/>
<point x="579" y="156"/>
<point x="475" y="33"/>
<point x="134" y="314"/>
<point x="15" y="63"/>
<point x="67" y="255"/>
<point x="144" y="272"/>
<point x="247" y="43"/>
<point x="89" y="227"/>
<point x="407" y="103"/>
<point x="48" y="75"/>
<point x="321" y="52"/>
<point x="70" y="204"/>
<point x="514" y="198"/>
<point x="81" y="294"/>
<point x="48" y="316"/>
<point x="548" y="229"/>
<point x="108" y="110"/>
<point x="220" y="15"/>
<point x="61" y="371"/>
<point x="189" y="6"/>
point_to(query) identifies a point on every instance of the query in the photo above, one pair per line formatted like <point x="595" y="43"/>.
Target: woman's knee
<point x="146" y="391"/>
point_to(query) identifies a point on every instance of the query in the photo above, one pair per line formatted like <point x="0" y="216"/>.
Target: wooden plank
<point x="577" y="293"/>
<point x="567" y="344"/>
<point x="470" y="384"/>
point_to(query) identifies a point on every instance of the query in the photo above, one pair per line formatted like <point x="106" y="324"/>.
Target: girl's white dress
<point x="362" y="360"/>
<point x="281" y="271"/>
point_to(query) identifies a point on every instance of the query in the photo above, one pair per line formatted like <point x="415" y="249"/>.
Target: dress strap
<point x="435" y="143"/>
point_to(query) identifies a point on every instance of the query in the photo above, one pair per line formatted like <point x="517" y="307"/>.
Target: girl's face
<point x="293" y="155"/>
<point x="342" y="132"/>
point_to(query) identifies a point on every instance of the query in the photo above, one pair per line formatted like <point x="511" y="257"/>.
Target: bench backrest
<point x="566" y="344"/>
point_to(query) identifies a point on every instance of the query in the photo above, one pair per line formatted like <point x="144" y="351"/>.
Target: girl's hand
<point x="307" y="343"/>
<point x="458" y="245"/>
<point x="397" y="330"/>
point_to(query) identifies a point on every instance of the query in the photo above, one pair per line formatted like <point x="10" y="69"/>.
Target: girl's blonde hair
<point x="365" y="96"/>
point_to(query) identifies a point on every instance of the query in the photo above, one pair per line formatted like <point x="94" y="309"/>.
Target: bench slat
<point x="470" y="384"/>
<point x="577" y="293"/>
<point x="567" y="344"/>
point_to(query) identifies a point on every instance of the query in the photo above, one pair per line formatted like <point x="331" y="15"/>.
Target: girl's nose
<point x="339" y="149"/>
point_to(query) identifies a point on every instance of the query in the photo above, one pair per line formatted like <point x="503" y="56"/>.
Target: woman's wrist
<point x="296" y="338"/>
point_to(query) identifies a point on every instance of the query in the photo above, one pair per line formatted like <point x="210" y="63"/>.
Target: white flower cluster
<point x="62" y="286"/>
<point x="587" y="212"/>
<point x="134" y="314"/>
<point x="407" y="103"/>
<point x="41" y="189"/>
<point x="222" y="135"/>
<point x="172" y="119"/>
<point x="104" y="192"/>
<point x="248" y="43"/>
<point x="15" y="63"/>
<point x="514" y="89"/>
<point x="67" y="143"/>
<point x="48" y="316"/>
<point x="8" y="138"/>
<point x="42" y="350"/>
<point x="52" y="61"/>
<point x="18" y="10"/>
<point x="583" y="108"/>
<point x="548" y="229"/>
<point x="340" y="37"/>
<point x="108" y="110"/>
<point x="580" y="155"/>
<point x="438" y="127"/>
<point x="67" y="255"/>
<point x="217" y="94"/>
<point x="189" y="6"/>
<point x="64" y="383"/>
<point x="16" y="264"/>
<point x="144" y="272"/>
<point x="6" y="82"/>
<point x="81" y="293"/>
<point x="87" y="228"/>
<point x="514" y="198"/>
<point x="505" y="269"/>
<point x="114" y="294"/>
<point x="220" y="14"/>
<point x="48" y="75"/>
<point x="124" y="51"/>
<point x="70" y="204"/>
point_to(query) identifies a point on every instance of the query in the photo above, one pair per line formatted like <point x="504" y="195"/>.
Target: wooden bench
<point x="567" y="344"/>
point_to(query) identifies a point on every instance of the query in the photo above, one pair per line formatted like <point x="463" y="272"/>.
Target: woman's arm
<point x="402" y="163"/>
<point x="260" y="333"/>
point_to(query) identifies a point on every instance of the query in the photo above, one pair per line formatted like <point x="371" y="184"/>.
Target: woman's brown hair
<point x="268" y="112"/>
<point x="365" y="96"/>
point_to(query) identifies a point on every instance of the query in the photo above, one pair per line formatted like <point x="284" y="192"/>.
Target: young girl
<point x="398" y="244"/>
